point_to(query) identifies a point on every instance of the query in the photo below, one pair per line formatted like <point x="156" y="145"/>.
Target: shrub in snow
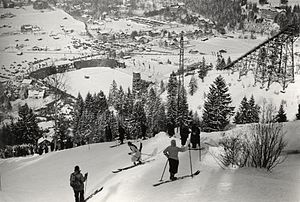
<point x="261" y="148"/>
<point x="265" y="144"/>
<point x="235" y="151"/>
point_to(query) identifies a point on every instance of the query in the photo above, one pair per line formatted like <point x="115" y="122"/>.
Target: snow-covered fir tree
<point x="128" y="105"/>
<point x="217" y="110"/>
<point x="100" y="103"/>
<point x="193" y="85"/>
<point x="119" y="104"/>
<point x="281" y="115"/>
<point x="113" y="93"/>
<point x="229" y="60"/>
<point x="241" y="115"/>
<point x="153" y="112"/>
<point x="78" y="109"/>
<point x="202" y="72"/>
<point x="138" y="118"/>
<point x="253" y="112"/>
<point x="161" y="118"/>
<point x="63" y="125"/>
<point x="183" y="108"/>
<point x="26" y="130"/>
<point x="248" y="112"/>
<point x="172" y="96"/>
<point x="298" y="114"/>
<point x="220" y="63"/>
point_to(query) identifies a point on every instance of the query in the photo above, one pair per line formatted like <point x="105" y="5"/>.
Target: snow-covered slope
<point x="46" y="178"/>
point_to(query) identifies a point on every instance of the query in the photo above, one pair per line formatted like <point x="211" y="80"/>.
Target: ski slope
<point x="46" y="178"/>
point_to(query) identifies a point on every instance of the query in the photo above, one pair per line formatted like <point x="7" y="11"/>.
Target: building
<point x="36" y="94"/>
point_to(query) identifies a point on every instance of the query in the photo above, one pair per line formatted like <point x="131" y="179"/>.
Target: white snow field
<point x="95" y="79"/>
<point x="46" y="178"/>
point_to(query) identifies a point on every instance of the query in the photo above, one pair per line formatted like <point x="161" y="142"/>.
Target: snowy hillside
<point x="46" y="178"/>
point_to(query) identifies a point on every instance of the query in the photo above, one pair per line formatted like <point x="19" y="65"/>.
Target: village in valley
<point x="71" y="69"/>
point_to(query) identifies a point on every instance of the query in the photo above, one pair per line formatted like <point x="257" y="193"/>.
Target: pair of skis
<point x="132" y="166"/>
<point x="93" y="194"/>
<point x="179" y="178"/>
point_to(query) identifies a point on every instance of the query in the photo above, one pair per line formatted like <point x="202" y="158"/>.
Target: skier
<point x="170" y="129"/>
<point x="144" y="130"/>
<point x="184" y="133"/>
<point x="121" y="134"/>
<point x="171" y="152"/>
<point x="76" y="182"/>
<point x="108" y="134"/>
<point x="195" y="136"/>
<point x="135" y="152"/>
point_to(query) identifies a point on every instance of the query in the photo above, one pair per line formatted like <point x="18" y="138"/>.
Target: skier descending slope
<point x="76" y="182"/>
<point x="136" y="153"/>
<point x="171" y="152"/>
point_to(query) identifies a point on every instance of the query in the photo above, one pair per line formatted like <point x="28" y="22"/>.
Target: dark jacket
<point x="78" y="178"/>
<point x="195" y="135"/>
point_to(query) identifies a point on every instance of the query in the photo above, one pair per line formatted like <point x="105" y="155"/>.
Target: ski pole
<point x="190" y="161"/>
<point x="85" y="186"/>
<point x="164" y="170"/>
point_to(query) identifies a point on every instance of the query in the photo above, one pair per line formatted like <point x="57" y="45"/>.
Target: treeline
<point x="98" y="118"/>
<point x="291" y="16"/>
<point x="223" y="13"/>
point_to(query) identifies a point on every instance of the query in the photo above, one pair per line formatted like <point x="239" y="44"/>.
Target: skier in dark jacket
<point x="184" y="133"/>
<point x="144" y="130"/>
<point x="121" y="134"/>
<point x="76" y="182"/>
<point x="195" y="136"/>
<point x="171" y="152"/>
<point x="170" y="129"/>
<point x="108" y="133"/>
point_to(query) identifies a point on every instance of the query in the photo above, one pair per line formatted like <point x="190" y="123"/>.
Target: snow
<point x="100" y="78"/>
<point x="46" y="178"/>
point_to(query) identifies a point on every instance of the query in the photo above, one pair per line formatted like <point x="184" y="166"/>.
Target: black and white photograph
<point x="149" y="100"/>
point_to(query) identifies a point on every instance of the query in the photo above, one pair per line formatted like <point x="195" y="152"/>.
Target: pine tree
<point x="161" y="119"/>
<point x="128" y="104"/>
<point x="298" y="115"/>
<point x="138" y="118"/>
<point x="217" y="110"/>
<point x="172" y="100"/>
<point x="202" y="73"/>
<point x="120" y="101"/>
<point x="26" y="130"/>
<point x="281" y="115"/>
<point x="88" y="102"/>
<point x="193" y="85"/>
<point x="113" y="93"/>
<point x="100" y="103"/>
<point x="183" y="108"/>
<point x="253" y="112"/>
<point x="78" y="109"/>
<point x="229" y="61"/>
<point x="241" y="116"/>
